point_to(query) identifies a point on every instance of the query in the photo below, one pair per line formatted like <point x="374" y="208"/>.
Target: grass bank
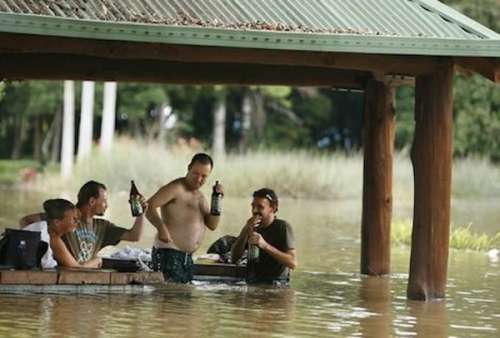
<point x="296" y="174"/>
<point x="12" y="171"/>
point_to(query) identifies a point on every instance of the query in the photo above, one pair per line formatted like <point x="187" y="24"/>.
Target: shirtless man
<point x="184" y="217"/>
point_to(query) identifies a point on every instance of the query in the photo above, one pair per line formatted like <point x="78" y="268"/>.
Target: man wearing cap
<point x="274" y="238"/>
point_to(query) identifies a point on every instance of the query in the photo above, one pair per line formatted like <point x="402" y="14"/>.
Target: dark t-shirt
<point x="87" y="240"/>
<point x="280" y="235"/>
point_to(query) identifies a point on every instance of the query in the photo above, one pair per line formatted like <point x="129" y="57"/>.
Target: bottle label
<point x="253" y="252"/>
<point x="135" y="206"/>
<point x="216" y="205"/>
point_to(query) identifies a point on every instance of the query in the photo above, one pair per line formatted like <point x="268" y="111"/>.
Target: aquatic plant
<point x="461" y="237"/>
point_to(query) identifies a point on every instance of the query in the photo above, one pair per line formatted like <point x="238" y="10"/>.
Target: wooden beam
<point x="431" y="157"/>
<point x="487" y="67"/>
<point x="390" y="64"/>
<point x="378" y="145"/>
<point x="59" y="67"/>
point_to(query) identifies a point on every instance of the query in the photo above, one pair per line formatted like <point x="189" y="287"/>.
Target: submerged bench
<point x="78" y="276"/>
<point x="219" y="272"/>
<point x="10" y="279"/>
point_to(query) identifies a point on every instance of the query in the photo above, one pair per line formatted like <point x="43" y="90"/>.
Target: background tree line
<point x="232" y="118"/>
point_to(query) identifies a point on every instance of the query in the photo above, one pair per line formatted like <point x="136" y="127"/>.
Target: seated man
<point x="93" y="234"/>
<point x="62" y="218"/>
<point x="273" y="237"/>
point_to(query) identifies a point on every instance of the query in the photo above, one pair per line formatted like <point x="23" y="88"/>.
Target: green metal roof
<point x="417" y="27"/>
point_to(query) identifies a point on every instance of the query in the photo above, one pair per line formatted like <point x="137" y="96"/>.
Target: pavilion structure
<point x="371" y="45"/>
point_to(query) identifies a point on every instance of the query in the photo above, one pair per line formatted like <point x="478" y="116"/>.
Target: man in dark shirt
<point x="273" y="236"/>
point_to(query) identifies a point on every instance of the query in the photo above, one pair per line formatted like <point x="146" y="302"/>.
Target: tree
<point x="108" y="116"/>
<point x="86" y="120"/>
<point x="68" y="138"/>
<point x="219" y="116"/>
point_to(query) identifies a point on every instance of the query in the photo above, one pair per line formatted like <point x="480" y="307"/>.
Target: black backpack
<point x="21" y="249"/>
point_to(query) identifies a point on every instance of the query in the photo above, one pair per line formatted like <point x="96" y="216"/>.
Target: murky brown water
<point x="327" y="298"/>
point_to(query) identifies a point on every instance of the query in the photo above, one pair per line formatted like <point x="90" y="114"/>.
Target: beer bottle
<point x="252" y="260"/>
<point x="216" y="201"/>
<point x="135" y="200"/>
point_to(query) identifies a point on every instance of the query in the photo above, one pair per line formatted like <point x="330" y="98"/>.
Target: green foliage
<point x="135" y="100"/>
<point x="31" y="97"/>
<point x="462" y="238"/>
<point x="405" y="116"/>
<point x="477" y="117"/>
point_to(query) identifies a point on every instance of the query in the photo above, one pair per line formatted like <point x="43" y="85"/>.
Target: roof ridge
<point x="460" y="19"/>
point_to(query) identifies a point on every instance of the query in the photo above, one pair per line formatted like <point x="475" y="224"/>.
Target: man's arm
<point x="30" y="219"/>
<point x="288" y="258"/>
<point x="211" y="221"/>
<point x="160" y="198"/>
<point x="64" y="257"/>
<point x="240" y="244"/>
<point x="135" y="233"/>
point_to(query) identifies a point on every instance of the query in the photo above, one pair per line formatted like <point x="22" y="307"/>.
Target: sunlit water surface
<point x="327" y="297"/>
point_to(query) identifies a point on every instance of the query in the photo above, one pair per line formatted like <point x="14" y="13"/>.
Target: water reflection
<point x="327" y="298"/>
<point x="375" y="297"/>
<point x="431" y="318"/>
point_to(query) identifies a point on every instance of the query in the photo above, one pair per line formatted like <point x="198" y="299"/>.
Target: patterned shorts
<point x="177" y="266"/>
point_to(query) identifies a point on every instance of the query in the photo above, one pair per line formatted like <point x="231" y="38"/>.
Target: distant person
<point x="274" y="238"/>
<point x="93" y="234"/>
<point x="62" y="219"/>
<point x="185" y="215"/>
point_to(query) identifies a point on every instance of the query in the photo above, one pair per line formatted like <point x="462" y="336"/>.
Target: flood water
<point x="327" y="298"/>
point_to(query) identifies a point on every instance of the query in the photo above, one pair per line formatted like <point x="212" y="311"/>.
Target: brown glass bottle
<point x="135" y="201"/>
<point x="252" y="261"/>
<point x="216" y="201"/>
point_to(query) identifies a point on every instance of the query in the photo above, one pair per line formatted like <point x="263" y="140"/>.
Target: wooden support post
<point x="431" y="157"/>
<point x="377" y="178"/>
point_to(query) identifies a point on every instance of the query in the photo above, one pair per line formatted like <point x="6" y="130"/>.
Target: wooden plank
<point x="60" y="67"/>
<point x="121" y="278"/>
<point x="84" y="277"/>
<point x="431" y="156"/>
<point x="74" y="289"/>
<point x="222" y="270"/>
<point x="378" y="146"/>
<point x="390" y="64"/>
<point x="28" y="277"/>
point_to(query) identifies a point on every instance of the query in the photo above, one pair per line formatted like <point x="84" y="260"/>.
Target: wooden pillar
<point x="377" y="178"/>
<point x="431" y="157"/>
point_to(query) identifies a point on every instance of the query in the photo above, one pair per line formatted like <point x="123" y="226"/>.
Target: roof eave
<point x="207" y="36"/>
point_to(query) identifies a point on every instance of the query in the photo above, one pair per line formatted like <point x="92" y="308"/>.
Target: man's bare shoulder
<point x="168" y="192"/>
<point x="176" y="185"/>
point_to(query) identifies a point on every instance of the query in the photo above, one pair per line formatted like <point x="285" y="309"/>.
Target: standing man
<point x="272" y="235"/>
<point x="184" y="217"/>
<point x="93" y="234"/>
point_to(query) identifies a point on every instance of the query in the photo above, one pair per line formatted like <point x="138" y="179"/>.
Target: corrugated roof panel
<point x="287" y="10"/>
<point x="423" y="27"/>
<point x="335" y="15"/>
<point x="315" y="13"/>
<point x="392" y="18"/>
<point x="275" y="11"/>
